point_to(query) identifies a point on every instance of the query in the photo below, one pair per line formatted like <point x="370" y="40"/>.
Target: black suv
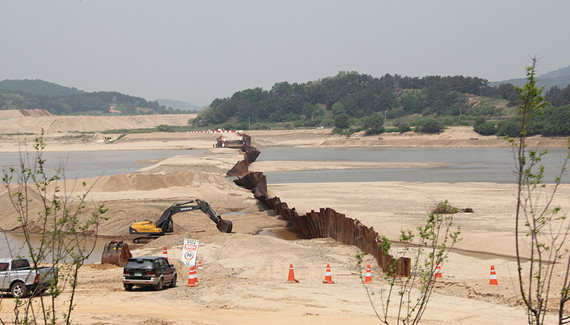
<point x="149" y="271"/>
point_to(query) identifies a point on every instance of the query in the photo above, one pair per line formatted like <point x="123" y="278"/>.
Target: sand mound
<point x="148" y="182"/>
<point x="34" y="120"/>
<point x="11" y="113"/>
<point x="6" y="205"/>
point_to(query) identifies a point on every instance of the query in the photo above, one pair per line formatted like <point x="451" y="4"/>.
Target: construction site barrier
<point x="250" y="154"/>
<point x="326" y="223"/>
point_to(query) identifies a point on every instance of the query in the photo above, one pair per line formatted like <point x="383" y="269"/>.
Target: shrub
<point x="375" y="130"/>
<point x="429" y="125"/>
<point x="444" y="207"/>
<point x="403" y="127"/>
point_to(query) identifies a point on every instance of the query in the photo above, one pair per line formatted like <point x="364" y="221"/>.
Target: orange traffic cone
<point x="493" y="277"/>
<point x="199" y="265"/>
<point x="437" y="270"/>
<point x="165" y="253"/>
<point x="368" y="275"/>
<point x="192" y="278"/>
<point x="291" y="275"/>
<point x="328" y="277"/>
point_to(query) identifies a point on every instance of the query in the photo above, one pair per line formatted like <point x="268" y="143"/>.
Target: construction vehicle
<point x="165" y="225"/>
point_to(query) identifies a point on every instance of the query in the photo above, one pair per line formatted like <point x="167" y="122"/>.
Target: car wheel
<point x="173" y="282"/>
<point x="128" y="286"/>
<point x="160" y="285"/>
<point x="19" y="290"/>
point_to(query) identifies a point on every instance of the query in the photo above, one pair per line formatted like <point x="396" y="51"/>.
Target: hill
<point x="178" y="104"/>
<point x="61" y="100"/>
<point x="559" y="78"/>
<point x="37" y="87"/>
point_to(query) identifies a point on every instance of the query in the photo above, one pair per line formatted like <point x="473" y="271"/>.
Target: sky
<point x="197" y="51"/>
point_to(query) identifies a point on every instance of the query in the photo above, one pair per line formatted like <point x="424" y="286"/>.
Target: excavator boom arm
<point x="165" y="220"/>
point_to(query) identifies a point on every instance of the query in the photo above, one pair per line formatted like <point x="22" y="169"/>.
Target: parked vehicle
<point x="152" y="271"/>
<point x="20" y="279"/>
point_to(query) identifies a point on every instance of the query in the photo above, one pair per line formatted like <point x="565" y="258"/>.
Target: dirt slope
<point x="32" y="121"/>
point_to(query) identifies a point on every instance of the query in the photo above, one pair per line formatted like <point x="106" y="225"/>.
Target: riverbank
<point x="70" y="140"/>
<point x="244" y="276"/>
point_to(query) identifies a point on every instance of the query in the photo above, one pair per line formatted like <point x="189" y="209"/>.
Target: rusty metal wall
<point x="326" y="223"/>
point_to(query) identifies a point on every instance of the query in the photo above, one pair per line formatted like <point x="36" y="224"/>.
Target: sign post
<point x="189" y="251"/>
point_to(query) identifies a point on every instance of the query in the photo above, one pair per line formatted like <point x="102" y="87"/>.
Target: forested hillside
<point x="356" y="95"/>
<point x="60" y="100"/>
<point x="37" y="87"/>
<point x="351" y="101"/>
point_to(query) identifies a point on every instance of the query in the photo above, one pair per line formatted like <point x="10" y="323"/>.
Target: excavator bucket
<point x="116" y="252"/>
<point x="224" y="226"/>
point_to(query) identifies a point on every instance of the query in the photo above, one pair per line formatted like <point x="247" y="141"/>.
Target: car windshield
<point x="138" y="264"/>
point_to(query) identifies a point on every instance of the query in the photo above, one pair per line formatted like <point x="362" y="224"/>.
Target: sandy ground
<point x="245" y="272"/>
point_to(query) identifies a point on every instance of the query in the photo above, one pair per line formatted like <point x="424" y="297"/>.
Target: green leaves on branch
<point x="428" y="245"/>
<point x="56" y="229"/>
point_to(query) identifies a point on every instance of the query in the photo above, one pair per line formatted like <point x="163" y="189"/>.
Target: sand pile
<point x="16" y="121"/>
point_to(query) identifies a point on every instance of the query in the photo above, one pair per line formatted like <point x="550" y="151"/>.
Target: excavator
<point x="165" y="225"/>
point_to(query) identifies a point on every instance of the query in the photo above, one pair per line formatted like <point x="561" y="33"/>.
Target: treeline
<point x="360" y="95"/>
<point x="37" y="87"/>
<point x="554" y="120"/>
<point x="59" y="100"/>
<point x="351" y="101"/>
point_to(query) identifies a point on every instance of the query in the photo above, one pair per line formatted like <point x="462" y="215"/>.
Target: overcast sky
<point x="197" y="51"/>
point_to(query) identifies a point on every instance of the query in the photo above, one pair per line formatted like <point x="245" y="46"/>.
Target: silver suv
<point x="152" y="271"/>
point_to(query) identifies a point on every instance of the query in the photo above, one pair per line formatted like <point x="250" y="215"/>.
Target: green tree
<point x="541" y="229"/>
<point x="403" y="127"/>
<point x="341" y="121"/>
<point x="483" y="127"/>
<point x="338" y="109"/>
<point x="509" y="127"/>
<point x="429" y="125"/>
<point x="44" y="209"/>
<point x="374" y="124"/>
<point x="407" y="298"/>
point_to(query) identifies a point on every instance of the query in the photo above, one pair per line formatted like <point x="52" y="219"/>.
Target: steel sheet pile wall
<point x="327" y="223"/>
<point x="250" y="154"/>
<point x="246" y="139"/>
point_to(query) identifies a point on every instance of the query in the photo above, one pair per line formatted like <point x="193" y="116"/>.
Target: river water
<point x="465" y="165"/>
<point x="85" y="164"/>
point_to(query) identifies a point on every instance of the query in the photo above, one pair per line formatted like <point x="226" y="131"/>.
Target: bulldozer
<point x="165" y="225"/>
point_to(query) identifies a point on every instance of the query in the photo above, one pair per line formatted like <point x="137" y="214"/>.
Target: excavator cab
<point x="165" y="225"/>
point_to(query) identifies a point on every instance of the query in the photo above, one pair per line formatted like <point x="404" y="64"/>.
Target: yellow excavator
<point x="165" y="225"/>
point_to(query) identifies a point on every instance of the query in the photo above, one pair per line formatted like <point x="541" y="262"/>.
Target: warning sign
<point x="189" y="251"/>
